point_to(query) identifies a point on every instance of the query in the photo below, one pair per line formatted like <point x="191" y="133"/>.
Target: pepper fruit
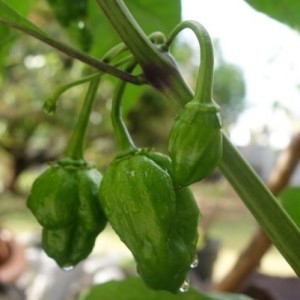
<point x="184" y="234"/>
<point x="64" y="199"/>
<point x="156" y="220"/>
<point x="138" y="199"/>
<point x="195" y="142"/>
<point x="187" y="213"/>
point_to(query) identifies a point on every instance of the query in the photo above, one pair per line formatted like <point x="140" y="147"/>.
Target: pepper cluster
<point x="156" y="220"/>
<point x="143" y="194"/>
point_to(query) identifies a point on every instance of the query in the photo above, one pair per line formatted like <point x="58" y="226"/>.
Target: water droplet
<point x="185" y="286"/>
<point x="68" y="268"/>
<point x="195" y="262"/>
<point x="81" y="24"/>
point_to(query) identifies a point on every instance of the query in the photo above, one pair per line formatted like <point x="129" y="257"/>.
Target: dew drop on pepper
<point x="195" y="262"/>
<point x="68" y="268"/>
<point x="185" y="286"/>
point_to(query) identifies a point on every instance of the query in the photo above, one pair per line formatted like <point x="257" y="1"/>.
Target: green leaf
<point x="289" y="198"/>
<point x="134" y="289"/>
<point x="6" y="35"/>
<point x="6" y="39"/>
<point x="158" y="15"/>
<point x="12" y="18"/>
<point x="154" y="15"/>
<point x="286" y="11"/>
<point x="22" y="7"/>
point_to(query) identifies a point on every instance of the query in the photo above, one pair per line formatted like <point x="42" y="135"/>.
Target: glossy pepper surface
<point x="141" y="201"/>
<point x="64" y="199"/>
<point x="195" y="143"/>
<point x="149" y="215"/>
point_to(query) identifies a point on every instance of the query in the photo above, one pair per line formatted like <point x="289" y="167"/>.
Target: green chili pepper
<point x="142" y="205"/>
<point x="195" y="143"/>
<point x="64" y="198"/>
<point x="183" y="236"/>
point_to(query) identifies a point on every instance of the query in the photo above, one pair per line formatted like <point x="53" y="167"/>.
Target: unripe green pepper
<point x="195" y="143"/>
<point x="68" y="246"/>
<point x="182" y="238"/>
<point x="64" y="199"/>
<point x="53" y="197"/>
<point x="156" y="221"/>
<point x="187" y="213"/>
<point x="141" y="201"/>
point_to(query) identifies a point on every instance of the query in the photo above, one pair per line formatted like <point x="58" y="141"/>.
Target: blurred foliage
<point x="150" y="120"/>
<point x="229" y="91"/>
<point x="289" y="199"/>
<point x="28" y="136"/>
<point x="86" y="26"/>
<point x="133" y="287"/>
<point x="286" y="11"/>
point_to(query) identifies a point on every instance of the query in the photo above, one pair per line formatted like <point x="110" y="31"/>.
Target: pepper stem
<point x="203" y="91"/>
<point x="51" y="102"/>
<point x="76" y="145"/>
<point x="125" y="145"/>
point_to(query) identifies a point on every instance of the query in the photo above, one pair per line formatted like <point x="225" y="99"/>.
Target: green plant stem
<point x="262" y="204"/>
<point x="276" y="223"/>
<point x="116" y="11"/>
<point x="50" y="103"/>
<point x="158" y="67"/>
<point x="9" y="17"/>
<point x="125" y="145"/>
<point x="203" y="90"/>
<point x="76" y="145"/>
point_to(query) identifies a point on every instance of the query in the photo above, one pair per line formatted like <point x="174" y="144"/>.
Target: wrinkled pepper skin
<point x="139" y="199"/>
<point x="64" y="199"/>
<point x="195" y="142"/>
<point x="68" y="246"/>
<point x="184" y="234"/>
